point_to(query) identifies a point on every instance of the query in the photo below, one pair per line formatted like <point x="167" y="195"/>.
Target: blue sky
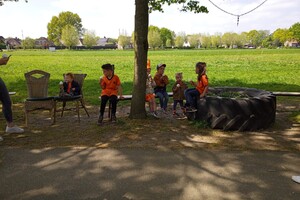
<point x="111" y="17"/>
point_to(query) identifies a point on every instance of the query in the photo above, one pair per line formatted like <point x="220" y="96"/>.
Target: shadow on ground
<point x="168" y="132"/>
<point x="91" y="173"/>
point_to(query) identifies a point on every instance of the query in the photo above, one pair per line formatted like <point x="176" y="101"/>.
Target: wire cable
<point x="237" y="15"/>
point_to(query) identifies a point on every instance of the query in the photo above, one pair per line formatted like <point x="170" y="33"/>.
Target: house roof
<point x="13" y="41"/>
<point x="102" y="41"/>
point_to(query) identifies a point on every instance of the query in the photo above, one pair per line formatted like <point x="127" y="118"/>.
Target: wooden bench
<point x="290" y="94"/>
<point x="128" y="97"/>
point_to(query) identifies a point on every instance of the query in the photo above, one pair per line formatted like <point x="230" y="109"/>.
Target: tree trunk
<point x="137" y="110"/>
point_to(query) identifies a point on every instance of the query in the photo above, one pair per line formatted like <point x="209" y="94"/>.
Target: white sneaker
<point x="155" y="115"/>
<point x="296" y="179"/>
<point x="1" y="138"/>
<point x="14" y="129"/>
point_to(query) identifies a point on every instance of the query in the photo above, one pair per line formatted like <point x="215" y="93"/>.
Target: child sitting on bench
<point x="150" y="96"/>
<point x="200" y="90"/>
<point x="111" y="87"/>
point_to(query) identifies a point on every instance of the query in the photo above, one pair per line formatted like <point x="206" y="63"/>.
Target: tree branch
<point x="187" y="5"/>
<point x="2" y="1"/>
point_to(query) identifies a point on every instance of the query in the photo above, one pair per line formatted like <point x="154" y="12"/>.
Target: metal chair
<point x="79" y="78"/>
<point x="37" y="86"/>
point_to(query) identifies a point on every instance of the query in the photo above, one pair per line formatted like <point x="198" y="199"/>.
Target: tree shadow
<point x="90" y="173"/>
<point x="147" y="159"/>
<point x="283" y="135"/>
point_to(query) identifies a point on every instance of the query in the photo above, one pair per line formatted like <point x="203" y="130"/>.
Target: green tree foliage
<point x="28" y="43"/>
<point x="187" y="5"/>
<point x="216" y="40"/>
<point x="170" y="43"/>
<point x="227" y="39"/>
<point x="179" y="41"/>
<point x="153" y="28"/>
<point x="280" y="36"/>
<point x="235" y="40"/>
<point x="90" y="39"/>
<point x="132" y="38"/>
<point x="194" y="40"/>
<point x="165" y="35"/>
<point x="205" y="41"/>
<point x="267" y="42"/>
<point x="69" y="36"/>
<point x="123" y="41"/>
<point x="295" y="31"/>
<point x="263" y="34"/>
<point x="2" y="1"/>
<point x="154" y="39"/>
<point x="244" y="38"/>
<point x="256" y="37"/>
<point x="56" y="25"/>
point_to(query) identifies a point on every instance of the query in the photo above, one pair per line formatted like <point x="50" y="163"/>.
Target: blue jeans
<point x="176" y="102"/>
<point x="191" y="96"/>
<point x="6" y="102"/>
<point x="163" y="99"/>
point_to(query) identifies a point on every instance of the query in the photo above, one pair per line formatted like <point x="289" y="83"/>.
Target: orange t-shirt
<point x="110" y="86"/>
<point x="202" y="84"/>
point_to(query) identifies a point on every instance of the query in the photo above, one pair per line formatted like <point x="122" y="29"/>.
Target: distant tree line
<point x="66" y="31"/>
<point x="159" y="38"/>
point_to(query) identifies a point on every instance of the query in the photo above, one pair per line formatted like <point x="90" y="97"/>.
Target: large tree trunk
<point x="140" y="61"/>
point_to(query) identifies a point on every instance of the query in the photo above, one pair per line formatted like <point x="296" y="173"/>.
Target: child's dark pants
<point x="176" y="102"/>
<point x="113" y="100"/>
<point x="6" y="102"/>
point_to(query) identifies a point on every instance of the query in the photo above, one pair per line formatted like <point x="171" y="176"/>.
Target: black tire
<point x="257" y="111"/>
<point x="219" y="122"/>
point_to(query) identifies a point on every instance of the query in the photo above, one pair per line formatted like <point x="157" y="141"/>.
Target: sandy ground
<point x="151" y="133"/>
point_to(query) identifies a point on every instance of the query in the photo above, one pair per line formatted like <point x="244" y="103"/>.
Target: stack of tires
<point x="256" y="111"/>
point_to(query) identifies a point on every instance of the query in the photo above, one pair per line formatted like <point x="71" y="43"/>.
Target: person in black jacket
<point x="71" y="87"/>
<point x="7" y="104"/>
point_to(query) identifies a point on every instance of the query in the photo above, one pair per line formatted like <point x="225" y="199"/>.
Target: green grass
<point x="273" y="70"/>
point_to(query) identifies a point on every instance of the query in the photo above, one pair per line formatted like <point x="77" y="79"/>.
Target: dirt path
<point x="129" y="173"/>
<point x="152" y="133"/>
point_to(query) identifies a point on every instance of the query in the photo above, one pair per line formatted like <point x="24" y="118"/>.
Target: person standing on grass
<point x="150" y="96"/>
<point x="111" y="87"/>
<point x="161" y="81"/>
<point x="7" y="111"/>
<point x="200" y="90"/>
<point x="178" y="93"/>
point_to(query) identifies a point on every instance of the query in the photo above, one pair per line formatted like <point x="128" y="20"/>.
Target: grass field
<point x="273" y="70"/>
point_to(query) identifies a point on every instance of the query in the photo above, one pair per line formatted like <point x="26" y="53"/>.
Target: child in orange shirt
<point x="150" y="96"/>
<point x="160" y="90"/>
<point x="111" y="87"/>
<point x="200" y="89"/>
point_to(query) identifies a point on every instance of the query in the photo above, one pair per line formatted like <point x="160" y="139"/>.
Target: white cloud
<point x="108" y="17"/>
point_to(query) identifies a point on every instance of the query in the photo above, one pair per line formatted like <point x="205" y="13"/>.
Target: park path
<point x="140" y="173"/>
